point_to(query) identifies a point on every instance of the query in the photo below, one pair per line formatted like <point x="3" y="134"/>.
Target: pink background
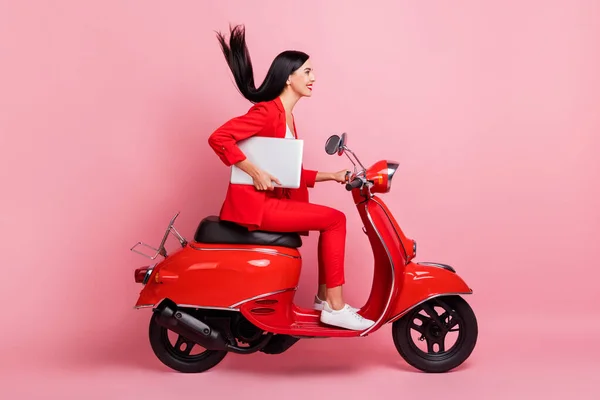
<point x="491" y="109"/>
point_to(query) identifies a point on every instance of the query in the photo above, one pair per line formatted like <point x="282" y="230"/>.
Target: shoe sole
<point x="319" y="307"/>
<point x="352" y="328"/>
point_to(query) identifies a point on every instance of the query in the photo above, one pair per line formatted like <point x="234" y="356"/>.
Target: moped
<point x="231" y="290"/>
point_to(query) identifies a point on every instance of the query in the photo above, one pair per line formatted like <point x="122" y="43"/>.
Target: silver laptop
<point x="282" y="158"/>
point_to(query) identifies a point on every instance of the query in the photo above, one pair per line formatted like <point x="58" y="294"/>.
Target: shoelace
<point x="356" y="315"/>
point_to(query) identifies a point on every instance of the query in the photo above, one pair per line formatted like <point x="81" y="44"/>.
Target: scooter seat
<point x="213" y="230"/>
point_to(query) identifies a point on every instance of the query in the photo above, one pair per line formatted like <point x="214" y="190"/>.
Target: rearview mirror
<point x="335" y="144"/>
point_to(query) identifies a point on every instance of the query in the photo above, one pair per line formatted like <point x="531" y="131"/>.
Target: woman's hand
<point x="340" y="176"/>
<point x="264" y="181"/>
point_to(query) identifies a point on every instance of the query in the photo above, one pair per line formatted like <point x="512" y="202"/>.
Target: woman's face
<point x="302" y="79"/>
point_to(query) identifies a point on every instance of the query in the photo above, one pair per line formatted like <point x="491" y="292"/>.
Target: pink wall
<point x="492" y="111"/>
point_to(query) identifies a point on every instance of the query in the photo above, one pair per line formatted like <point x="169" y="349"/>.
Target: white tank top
<point x="288" y="132"/>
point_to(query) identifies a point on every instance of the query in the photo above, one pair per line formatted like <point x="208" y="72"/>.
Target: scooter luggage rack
<point x="161" y="248"/>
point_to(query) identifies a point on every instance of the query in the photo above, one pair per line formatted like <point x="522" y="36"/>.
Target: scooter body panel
<point x="278" y="314"/>
<point x="221" y="276"/>
<point x="425" y="281"/>
<point x="399" y="284"/>
<point x="388" y="258"/>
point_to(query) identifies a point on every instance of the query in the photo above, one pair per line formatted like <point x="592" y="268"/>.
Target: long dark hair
<point x="238" y="58"/>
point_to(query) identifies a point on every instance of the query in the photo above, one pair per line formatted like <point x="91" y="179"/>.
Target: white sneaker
<point x="344" y="318"/>
<point x="318" y="305"/>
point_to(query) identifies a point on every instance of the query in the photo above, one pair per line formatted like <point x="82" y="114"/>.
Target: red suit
<point x="280" y="210"/>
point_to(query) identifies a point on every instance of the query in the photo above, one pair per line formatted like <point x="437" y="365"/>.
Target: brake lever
<point x="347" y="178"/>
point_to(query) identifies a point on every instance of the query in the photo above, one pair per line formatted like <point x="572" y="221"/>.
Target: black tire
<point x="172" y="355"/>
<point x="431" y="330"/>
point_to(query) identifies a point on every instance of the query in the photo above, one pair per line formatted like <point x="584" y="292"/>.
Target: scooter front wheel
<point x="433" y="322"/>
<point x="181" y="355"/>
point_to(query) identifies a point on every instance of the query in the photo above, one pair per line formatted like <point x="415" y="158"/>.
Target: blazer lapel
<point x="294" y="124"/>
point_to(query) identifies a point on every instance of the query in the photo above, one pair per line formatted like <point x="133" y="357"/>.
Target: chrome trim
<point x="392" y="167"/>
<point x="403" y="313"/>
<point x="148" y="273"/>
<point x="355" y="157"/>
<point x="151" y="305"/>
<point x="260" y="296"/>
<point x="190" y="306"/>
<point x="258" y="250"/>
<point x="389" y="301"/>
<point x="438" y="265"/>
<point x="353" y="163"/>
<point x="143" y="306"/>
<point x="233" y="307"/>
<point x="208" y="307"/>
<point x="395" y="231"/>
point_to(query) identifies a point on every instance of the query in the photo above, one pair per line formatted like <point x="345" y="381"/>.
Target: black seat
<point x="213" y="230"/>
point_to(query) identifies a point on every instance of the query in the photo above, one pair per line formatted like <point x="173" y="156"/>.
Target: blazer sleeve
<point x="310" y="177"/>
<point x="224" y="140"/>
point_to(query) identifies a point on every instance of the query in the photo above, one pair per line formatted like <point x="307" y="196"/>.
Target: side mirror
<point x="335" y="144"/>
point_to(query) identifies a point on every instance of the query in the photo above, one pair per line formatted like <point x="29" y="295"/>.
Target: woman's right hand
<point x="264" y="181"/>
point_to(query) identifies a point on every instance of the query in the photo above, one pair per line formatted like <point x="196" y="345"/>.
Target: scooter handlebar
<point x="356" y="183"/>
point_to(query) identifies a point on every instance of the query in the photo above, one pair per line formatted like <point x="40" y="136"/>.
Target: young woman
<point x="268" y="208"/>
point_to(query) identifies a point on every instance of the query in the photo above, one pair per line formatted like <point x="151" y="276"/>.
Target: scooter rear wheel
<point x="432" y="326"/>
<point x="178" y="356"/>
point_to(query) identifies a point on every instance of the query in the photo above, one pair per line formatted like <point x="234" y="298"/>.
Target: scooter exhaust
<point x="188" y="326"/>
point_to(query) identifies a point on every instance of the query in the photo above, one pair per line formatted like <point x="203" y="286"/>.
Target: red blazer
<point x="243" y="203"/>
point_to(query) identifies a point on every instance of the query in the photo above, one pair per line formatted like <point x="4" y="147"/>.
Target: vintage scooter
<point x="231" y="290"/>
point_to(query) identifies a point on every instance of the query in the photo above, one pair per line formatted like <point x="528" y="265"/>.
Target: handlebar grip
<point x="356" y="183"/>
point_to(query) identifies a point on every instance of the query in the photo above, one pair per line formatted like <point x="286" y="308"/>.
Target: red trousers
<point x="282" y="215"/>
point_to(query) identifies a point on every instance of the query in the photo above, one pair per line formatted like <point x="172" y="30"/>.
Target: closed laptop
<point x="282" y="158"/>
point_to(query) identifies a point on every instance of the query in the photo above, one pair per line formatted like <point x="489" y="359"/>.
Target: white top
<point x="288" y="132"/>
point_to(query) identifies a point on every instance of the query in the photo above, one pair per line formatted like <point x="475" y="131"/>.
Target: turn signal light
<point x="140" y="274"/>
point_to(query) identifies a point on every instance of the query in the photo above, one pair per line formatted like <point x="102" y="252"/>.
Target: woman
<point x="268" y="208"/>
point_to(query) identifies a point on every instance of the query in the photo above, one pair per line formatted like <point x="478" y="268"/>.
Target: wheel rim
<point x="183" y="348"/>
<point x="434" y="322"/>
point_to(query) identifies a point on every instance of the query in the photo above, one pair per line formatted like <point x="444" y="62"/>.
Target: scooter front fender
<point x="423" y="281"/>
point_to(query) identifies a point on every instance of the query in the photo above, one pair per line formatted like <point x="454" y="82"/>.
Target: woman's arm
<point x="324" y="176"/>
<point x="311" y="177"/>
<point x="339" y="176"/>
<point x="224" y="140"/>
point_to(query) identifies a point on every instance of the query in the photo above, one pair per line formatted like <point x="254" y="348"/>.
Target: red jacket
<point x="243" y="203"/>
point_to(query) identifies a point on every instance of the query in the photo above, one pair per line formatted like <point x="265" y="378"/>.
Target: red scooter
<point x="231" y="290"/>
